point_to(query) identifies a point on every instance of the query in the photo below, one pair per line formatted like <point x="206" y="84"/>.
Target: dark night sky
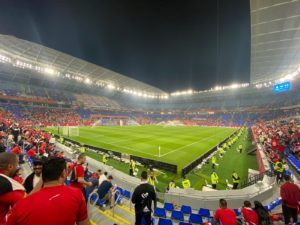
<point x="169" y="44"/>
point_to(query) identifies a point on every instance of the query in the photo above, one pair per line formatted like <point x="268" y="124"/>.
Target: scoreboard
<point x="286" y="86"/>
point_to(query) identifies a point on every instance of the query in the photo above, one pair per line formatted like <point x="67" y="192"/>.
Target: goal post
<point x="70" y="131"/>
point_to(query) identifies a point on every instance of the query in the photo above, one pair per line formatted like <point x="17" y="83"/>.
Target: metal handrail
<point x="258" y="177"/>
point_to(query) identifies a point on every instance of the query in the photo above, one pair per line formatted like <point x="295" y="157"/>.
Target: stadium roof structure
<point x="24" y="54"/>
<point x="275" y="39"/>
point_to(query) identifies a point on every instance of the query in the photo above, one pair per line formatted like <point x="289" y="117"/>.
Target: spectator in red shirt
<point x="55" y="203"/>
<point x="31" y="152"/>
<point x="77" y="175"/>
<point x="16" y="150"/>
<point x="224" y="215"/>
<point x="10" y="190"/>
<point x="290" y="195"/>
<point x="249" y="214"/>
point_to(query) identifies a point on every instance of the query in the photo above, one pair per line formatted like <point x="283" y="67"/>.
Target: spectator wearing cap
<point x="10" y="190"/>
<point x="55" y="203"/>
<point x="34" y="179"/>
<point x="290" y="195"/>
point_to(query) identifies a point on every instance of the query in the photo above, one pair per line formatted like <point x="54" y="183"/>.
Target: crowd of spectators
<point x="50" y="170"/>
<point x="23" y="200"/>
<point x="279" y="138"/>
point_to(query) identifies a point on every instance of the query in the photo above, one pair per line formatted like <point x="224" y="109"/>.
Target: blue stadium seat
<point x="177" y="215"/>
<point x="184" y="223"/>
<point x="120" y="190"/>
<point x="237" y="212"/>
<point x="126" y="194"/>
<point x="169" y="206"/>
<point x="160" y="212"/>
<point x="204" y="212"/>
<point x="295" y="163"/>
<point x="195" y="218"/>
<point x="186" y="209"/>
<point x="163" y="221"/>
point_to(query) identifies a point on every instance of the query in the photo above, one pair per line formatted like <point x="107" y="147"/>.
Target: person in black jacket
<point x="262" y="213"/>
<point x="33" y="179"/>
<point x="142" y="197"/>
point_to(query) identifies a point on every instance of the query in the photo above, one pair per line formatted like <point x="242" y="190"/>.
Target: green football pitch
<point x="178" y="145"/>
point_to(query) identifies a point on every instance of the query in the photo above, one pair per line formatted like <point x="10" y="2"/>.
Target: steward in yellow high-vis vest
<point x="171" y="185"/>
<point x="104" y="159"/>
<point x="82" y="149"/>
<point x="186" y="183"/>
<point x="213" y="161"/>
<point x="279" y="169"/>
<point x="235" y="180"/>
<point x="131" y="167"/>
<point x="214" y="180"/>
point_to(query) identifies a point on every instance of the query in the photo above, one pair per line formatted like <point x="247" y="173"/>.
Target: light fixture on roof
<point x="110" y="86"/>
<point x="87" y="80"/>
<point x="49" y="71"/>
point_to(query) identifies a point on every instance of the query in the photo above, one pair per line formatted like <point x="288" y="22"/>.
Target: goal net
<point x="70" y="131"/>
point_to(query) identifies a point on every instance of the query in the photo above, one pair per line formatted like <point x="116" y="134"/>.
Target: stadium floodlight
<point x="5" y="59"/>
<point x="49" y="71"/>
<point x="110" y="86"/>
<point x="87" y="81"/>
<point x="234" y="86"/>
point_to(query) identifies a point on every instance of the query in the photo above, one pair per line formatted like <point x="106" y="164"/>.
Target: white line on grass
<point x="175" y="150"/>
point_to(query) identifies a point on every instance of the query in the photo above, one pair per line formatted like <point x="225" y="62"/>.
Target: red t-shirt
<point x="19" y="179"/>
<point x="79" y="173"/>
<point x="290" y="194"/>
<point x="59" y="205"/>
<point x="225" y="216"/>
<point x="8" y="200"/>
<point x="31" y="153"/>
<point x="10" y="193"/>
<point x="16" y="150"/>
<point x="250" y="216"/>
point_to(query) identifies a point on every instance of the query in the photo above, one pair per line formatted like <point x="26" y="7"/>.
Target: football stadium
<point x="84" y="144"/>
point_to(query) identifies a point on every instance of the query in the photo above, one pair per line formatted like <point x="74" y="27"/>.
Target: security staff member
<point x="171" y="185"/>
<point x="235" y="180"/>
<point x="240" y="148"/>
<point x="213" y="161"/>
<point x="214" y="180"/>
<point x="186" y="183"/>
<point x="222" y="151"/>
<point x="131" y="167"/>
<point x="104" y="159"/>
<point x="279" y="169"/>
<point x="152" y="179"/>
<point x="82" y="149"/>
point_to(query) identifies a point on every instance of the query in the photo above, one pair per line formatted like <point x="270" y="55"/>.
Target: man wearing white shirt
<point x="102" y="178"/>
